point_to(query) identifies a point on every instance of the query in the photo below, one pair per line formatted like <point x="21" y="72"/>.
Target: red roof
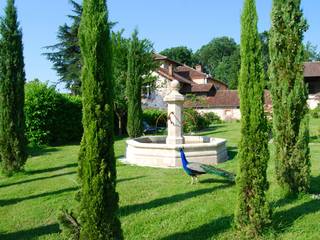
<point x="224" y="98"/>
<point x="312" y="69"/>
<point x="183" y="73"/>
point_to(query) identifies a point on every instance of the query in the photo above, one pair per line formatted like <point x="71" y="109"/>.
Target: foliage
<point x="155" y="117"/>
<point x="311" y="53"/>
<point x="99" y="199"/>
<point x="289" y="96"/>
<point x="51" y="117"/>
<point x="69" y="225"/>
<point x="65" y="55"/>
<point x="211" y="118"/>
<point x="194" y="121"/>
<point x="252" y="213"/>
<point x="211" y="54"/>
<point x="13" y="153"/>
<point x="140" y="66"/>
<point x="180" y="54"/>
<point x="315" y="113"/>
<point x="120" y="67"/>
<point x="228" y="69"/>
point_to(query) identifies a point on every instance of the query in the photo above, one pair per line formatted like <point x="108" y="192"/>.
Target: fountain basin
<point x="153" y="151"/>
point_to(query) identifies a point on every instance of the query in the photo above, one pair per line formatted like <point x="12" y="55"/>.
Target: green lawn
<point x="154" y="203"/>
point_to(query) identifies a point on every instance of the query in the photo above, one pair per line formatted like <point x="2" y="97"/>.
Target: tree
<point x="252" y="212"/>
<point x="228" y="69"/>
<point x="120" y="68"/>
<point x="99" y="199"/>
<point x="140" y="65"/>
<point x="180" y="54"/>
<point x="12" y="78"/>
<point x="311" y="53"/>
<point x="289" y="96"/>
<point x="65" y="55"/>
<point x="211" y="55"/>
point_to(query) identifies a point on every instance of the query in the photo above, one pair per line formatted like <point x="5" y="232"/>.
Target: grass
<point x="154" y="203"/>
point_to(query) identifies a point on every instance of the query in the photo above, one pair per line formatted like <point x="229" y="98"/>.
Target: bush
<point x="194" y="121"/>
<point x="155" y="117"/>
<point x="211" y="118"/>
<point x="315" y="113"/>
<point x="51" y="117"/>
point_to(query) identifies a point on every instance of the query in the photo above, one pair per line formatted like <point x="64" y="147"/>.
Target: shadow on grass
<point x="45" y="170"/>
<point x="37" y="179"/>
<point x="127" y="210"/>
<point x="284" y="219"/>
<point x="315" y="185"/>
<point x="232" y="153"/>
<point x="315" y="139"/>
<point x="216" y="180"/>
<point x="31" y="233"/>
<point x="206" y="231"/>
<point x="34" y="151"/>
<point x="129" y="179"/>
<point x="17" y="200"/>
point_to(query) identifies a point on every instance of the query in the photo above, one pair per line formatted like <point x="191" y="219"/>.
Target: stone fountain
<point x="163" y="151"/>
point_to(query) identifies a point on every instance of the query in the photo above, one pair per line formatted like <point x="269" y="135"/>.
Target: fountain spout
<point x="175" y="102"/>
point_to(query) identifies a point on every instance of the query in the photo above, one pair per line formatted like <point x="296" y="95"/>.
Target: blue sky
<point x="167" y="23"/>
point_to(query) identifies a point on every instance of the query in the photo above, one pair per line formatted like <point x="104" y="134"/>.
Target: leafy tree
<point x="252" y="212"/>
<point x="140" y="66"/>
<point x="12" y="79"/>
<point x="65" y="55"/>
<point x="120" y="67"/>
<point x="289" y="96"/>
<point x="228" y="69"/>
<point x="212" y="54"/>
<point x="311" y="53"/>
<point x="99" y="199"/>
<point x="180" y="54"/>
<point x="264" y="38"/>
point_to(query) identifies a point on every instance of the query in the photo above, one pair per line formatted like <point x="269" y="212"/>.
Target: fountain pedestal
<point x="175" y="105"/>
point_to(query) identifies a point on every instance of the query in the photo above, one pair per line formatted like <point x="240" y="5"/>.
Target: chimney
<point x="199" y="68"/>
<point x="170" y="70"/>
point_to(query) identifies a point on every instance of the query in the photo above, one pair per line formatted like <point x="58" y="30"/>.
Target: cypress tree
<point x="252" y="212"/>
<point x="133" y="88"/>
<point x="289" y="96"/>
<point x="99" y="199"/>
<point x="12" y="78"/>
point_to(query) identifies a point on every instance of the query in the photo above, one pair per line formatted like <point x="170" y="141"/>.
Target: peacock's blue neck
<point x="183" y="159"/>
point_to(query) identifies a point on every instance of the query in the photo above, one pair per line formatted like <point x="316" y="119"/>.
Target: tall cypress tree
<point x="133" y="88"/>
<point x="99" y="199"/>
<point x="289" y="96"/>
<point x="12" y="78"/>
<point x="252" y="212"/>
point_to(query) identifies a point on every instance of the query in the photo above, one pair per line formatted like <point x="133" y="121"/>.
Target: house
<point x="212" y="94"/>
<point x="312" y="78"/>
<point x="192" y="81"/>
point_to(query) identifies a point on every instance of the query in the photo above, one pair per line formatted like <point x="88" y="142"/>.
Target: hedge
<point x="51" y="117"/>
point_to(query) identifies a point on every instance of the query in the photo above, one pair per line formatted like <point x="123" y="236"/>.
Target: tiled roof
<point x="198" y="88"/>
<point x="312" y="69"/>
<point x="183" y="71"/>
<point x="224" y="98"/>
<point x="165" y="73"/>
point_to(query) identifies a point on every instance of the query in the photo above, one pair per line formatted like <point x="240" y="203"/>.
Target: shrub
<point x="315" y="113"/>
<point x="212" y="118"/>
<point x="51" y="117"/>
<point x="155" y="117"/>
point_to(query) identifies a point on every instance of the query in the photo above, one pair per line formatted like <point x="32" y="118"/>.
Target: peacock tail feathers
<point x="217" y="171"/>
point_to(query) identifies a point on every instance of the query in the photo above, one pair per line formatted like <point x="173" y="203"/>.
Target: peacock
<point x="194" y="169"/>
